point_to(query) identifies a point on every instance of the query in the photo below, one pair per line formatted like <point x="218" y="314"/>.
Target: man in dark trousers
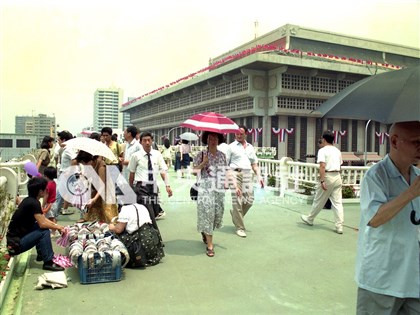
<point x="145" y="166"/>
<point x="29" y="228"/>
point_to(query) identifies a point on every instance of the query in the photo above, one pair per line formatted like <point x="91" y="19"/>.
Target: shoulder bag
<point x="194" y="187"/>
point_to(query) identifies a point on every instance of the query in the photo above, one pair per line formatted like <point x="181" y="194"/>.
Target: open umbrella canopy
<point x="387" y="98"/>
<point x="90" y="146"/>
<point x="188" y="136"/>
<point x="210" y="121"/>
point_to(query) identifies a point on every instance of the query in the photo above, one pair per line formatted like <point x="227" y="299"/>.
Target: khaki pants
<point x="333" y="192"/>
<point x="241" y="205"/>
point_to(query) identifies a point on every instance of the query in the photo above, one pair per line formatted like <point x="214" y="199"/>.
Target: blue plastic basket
<point x="99" y="269"/>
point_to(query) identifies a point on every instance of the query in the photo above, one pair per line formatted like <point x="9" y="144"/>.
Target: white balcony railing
<point x="291" y="175"/>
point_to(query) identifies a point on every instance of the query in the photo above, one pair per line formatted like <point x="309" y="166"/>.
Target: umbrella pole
<point x="366" y="131"/>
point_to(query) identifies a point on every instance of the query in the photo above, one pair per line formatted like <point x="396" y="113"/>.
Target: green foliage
<point x="348" y="192"/>
<point x="7" y="207"/>
<point x="271" y="181"/>
<point x="307" y="189"/>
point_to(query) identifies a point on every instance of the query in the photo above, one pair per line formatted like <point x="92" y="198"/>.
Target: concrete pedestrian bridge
<point x="282" y="267"/>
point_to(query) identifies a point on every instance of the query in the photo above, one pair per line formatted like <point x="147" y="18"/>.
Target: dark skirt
<point x="177" y="165"/>
<point x="185" y="160"/>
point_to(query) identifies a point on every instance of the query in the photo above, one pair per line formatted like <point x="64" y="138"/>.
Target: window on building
<point x="6" y="143"/>
<point x="23" y="143"/>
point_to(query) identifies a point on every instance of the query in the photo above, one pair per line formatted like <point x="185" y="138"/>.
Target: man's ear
<point x="393" y="141"/>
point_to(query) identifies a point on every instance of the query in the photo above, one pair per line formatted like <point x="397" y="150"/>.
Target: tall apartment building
<point x="106" y="109"/>
<point x="40" y="126"/>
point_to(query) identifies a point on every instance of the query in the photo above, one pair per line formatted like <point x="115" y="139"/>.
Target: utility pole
<point x="256" y="29"/>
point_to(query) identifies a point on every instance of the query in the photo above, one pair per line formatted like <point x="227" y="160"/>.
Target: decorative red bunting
<point x="281" y="132"/>
<point x="382" y="136"/>
<point x="257" y="49"/>
<point x="338" y="134"/>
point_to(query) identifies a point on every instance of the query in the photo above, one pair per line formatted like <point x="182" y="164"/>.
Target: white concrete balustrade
<point x="290" y="175"/>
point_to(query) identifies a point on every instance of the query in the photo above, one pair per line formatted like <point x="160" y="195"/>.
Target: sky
<point x="55" y="54"/>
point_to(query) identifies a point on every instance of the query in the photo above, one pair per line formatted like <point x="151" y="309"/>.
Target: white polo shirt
<point x="238" y="156"/>
<point x="130" y="149"/>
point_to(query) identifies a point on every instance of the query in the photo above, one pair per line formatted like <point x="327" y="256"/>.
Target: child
<point x="50" y="173"/>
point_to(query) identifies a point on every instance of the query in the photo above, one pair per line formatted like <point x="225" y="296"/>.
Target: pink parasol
<point x="210" y="121"/>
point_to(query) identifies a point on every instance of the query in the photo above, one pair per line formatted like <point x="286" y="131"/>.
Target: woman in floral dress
<point x="215" y="177"/>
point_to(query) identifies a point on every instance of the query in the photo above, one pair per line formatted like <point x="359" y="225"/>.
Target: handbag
<point x="194" y="187"/>
<point x="194" y="192"/>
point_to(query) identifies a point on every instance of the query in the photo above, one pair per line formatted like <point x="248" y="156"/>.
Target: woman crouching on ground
<point x="134" y="228"/>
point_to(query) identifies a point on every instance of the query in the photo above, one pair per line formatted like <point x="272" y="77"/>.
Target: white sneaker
<point x="67" y="211"/>
<point x="339" y="230"/>
<point x="240" y="233"/>
<point x="305" y="219"/>
<point x="161" y="215"/>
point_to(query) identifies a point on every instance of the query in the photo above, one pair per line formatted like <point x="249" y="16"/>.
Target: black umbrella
<point x="388" y="98"/>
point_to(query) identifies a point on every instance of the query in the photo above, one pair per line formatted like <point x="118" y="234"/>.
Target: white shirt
<point x="223" y="147"/>
<point x="238" y="156"/>
<point x="128" y="215"/>
<point x="139" y="165"/>
<point x="130" y="148"/>
<point x="66" y="156"/>
<point x="331" y="156"/>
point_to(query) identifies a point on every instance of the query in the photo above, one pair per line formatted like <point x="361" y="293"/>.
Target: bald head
<point x="404" y="140"/>
<point x="405" y="128"/>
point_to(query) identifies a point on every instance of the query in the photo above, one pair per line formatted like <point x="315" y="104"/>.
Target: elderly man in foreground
<point x="387" y="266"/>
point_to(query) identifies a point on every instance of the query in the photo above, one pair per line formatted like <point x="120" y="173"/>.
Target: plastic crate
<point x="99" y="269"/>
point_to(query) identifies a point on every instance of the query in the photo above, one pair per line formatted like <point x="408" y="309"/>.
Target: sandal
<point x="210" y="252"/>
<point x="203" y="236"/>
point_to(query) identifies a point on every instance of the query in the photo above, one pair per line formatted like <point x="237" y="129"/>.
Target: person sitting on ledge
<point x="30" y="228"/>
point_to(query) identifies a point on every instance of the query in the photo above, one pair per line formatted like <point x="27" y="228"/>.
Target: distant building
<point x="273" y="85"/>
<point x="16" y="145"/>
<point x="40" y="126"/>
<point x="106" y="108"/>
<point x="126" y="116"/>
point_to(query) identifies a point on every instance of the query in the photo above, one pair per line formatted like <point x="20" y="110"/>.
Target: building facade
<point x="16" y="145"/>
<point x="40" y="126"/>
<point x="106" y="108"/>
<point x="274" y="84"/>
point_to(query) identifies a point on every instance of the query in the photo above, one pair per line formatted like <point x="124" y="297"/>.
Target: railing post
<point x="11" y="182"/>
<point x="284" y="175"/>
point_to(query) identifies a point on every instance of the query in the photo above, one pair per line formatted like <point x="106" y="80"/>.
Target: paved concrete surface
<point x="282" y="267"/>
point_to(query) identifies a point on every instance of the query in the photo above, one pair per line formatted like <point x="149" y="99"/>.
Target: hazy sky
<point x="53" y="56"/>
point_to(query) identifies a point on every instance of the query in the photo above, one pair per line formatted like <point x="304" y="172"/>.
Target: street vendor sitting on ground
<point x="30" y="228"/>
<point x="134" y="228"/>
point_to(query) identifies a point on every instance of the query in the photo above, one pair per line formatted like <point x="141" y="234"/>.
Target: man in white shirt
<point x="144" y="167"/>
<point x="131" y="146"/>
<point x="330" y="184"/>
<point x="242" y="159"/>
<point x="65" y="157"/>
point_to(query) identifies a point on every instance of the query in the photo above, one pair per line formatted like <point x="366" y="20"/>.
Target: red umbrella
<point x="210" y="121"/>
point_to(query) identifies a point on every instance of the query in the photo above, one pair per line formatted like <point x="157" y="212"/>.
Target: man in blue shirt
<point x="387" y="266"/>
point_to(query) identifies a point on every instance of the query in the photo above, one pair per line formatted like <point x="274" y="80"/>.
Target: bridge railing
<point x="290" y="175"/>
<point x="13" y="176"/>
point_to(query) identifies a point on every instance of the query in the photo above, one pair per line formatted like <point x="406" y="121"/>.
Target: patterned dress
<point x="211" y="193"/>
<point x="100" y="210"/>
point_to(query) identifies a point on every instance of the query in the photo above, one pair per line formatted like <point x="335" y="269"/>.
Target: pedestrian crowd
<point x="388" y="255"/>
